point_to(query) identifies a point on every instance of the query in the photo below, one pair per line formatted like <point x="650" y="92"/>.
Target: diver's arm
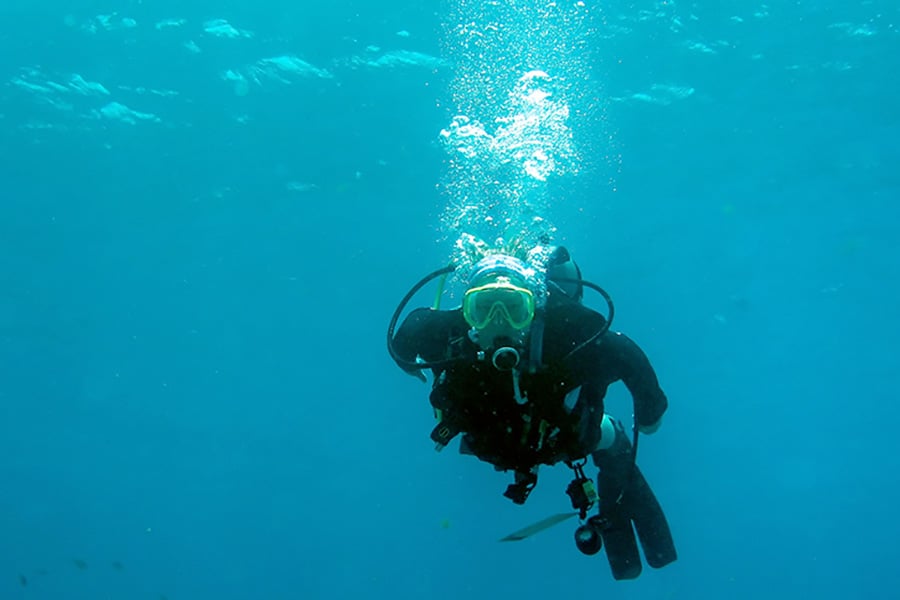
<point x="411" y="337"/>
<point x="427" y="334"/>
<point x="636" y="372"/>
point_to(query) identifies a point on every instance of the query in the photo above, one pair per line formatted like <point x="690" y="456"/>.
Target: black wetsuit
<point x="561" y="403"/>
<point x="556" y="417"/>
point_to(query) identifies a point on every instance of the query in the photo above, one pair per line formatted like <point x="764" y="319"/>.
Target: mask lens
<point x="482" y="305"/>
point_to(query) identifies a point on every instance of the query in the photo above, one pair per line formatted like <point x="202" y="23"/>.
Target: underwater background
<point x="210" y="210"/>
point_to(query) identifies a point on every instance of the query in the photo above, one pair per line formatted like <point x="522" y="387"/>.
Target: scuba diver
<point x="520" y="371"/>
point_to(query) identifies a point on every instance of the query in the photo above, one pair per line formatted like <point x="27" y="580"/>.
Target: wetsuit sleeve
<point x="633" y="368"/>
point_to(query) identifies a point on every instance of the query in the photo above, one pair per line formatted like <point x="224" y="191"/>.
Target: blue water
<point x="197" y="272"/>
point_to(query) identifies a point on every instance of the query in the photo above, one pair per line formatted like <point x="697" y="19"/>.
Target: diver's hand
<point x="417" y="373"/>
<point x="652" y="428"/>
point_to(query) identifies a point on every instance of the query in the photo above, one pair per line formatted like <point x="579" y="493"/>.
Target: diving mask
<point x="500" y="300"/>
